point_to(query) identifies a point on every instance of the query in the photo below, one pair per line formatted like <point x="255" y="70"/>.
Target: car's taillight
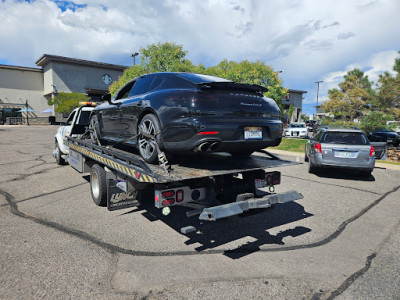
<point x="318" y="148"/>
<point x="208" y="132"/>
<point x="372" y="151"/>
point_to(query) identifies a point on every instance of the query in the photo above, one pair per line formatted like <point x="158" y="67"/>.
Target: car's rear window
<point x="346" y="138"/>
<point x="200" y="78"/>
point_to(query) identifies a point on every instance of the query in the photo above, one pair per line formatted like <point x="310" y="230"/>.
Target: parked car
<point x="340" y="148"/>
<point x="297" y="129"/>
<point x="385" y="135"/>
<point x="178" y="112"/>
<point x="395" y="125"/>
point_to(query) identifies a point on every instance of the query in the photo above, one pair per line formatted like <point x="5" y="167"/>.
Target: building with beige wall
<point x="35" y="86"/>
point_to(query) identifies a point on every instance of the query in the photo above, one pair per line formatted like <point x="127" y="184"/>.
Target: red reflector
<point x="179" y="196"/>
<point x="208" y="132"/>
<point x="276" y="178"/>
<point x="372" y="151"/>
<point x="156" y="198"/>
<point x="137" y="175"/>
<point x="318" y="148"/>
<point x="168" y="194"/>
<point x="167" y="202"/>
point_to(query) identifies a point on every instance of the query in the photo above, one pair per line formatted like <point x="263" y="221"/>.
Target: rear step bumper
<point x="236" y="208"/>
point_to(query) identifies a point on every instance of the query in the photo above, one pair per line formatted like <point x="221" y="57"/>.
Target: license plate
<point x="345" y="154"/>
<point x="260" y="183"/>
<point x="253" y="133"/>
<point x="389" y="140"/>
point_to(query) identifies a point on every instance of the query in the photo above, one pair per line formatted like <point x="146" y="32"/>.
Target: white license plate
<point x="344" y="154"/>
<point x="260" y="183"/>
<point x="253" y="133"/>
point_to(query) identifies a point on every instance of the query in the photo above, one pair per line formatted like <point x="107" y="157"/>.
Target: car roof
<point x="342" y="129"/>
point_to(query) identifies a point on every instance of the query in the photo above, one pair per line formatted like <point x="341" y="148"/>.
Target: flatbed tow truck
<point x="213" y="186"/>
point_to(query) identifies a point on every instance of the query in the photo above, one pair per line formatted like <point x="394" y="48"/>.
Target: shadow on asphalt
<point x="343" y="174"/>
<point x="255" y="225"/>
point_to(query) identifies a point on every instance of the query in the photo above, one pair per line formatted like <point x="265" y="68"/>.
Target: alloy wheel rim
<point x="147" y="138"/>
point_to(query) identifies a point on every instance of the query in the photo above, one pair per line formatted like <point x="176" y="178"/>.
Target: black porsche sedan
<point x="181" y="112"/>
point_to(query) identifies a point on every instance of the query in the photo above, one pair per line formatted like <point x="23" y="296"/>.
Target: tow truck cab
<point x="76" y="125"/>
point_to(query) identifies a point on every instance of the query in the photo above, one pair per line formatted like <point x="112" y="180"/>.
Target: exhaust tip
<point x="202" y="147"/>
<point x="213" y="146"/>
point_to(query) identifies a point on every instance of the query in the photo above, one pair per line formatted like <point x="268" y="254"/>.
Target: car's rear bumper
<point x="221" y="136"/>
<point x="369" y="165"/>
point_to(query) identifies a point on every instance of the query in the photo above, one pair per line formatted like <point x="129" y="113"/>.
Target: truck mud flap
<point x="236" y="208"/>
<point x="118" y="196"/>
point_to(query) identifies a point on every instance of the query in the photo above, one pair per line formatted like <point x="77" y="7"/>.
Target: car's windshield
<point x="347" y="138"/>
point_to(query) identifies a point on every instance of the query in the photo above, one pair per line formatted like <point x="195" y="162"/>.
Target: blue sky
<point x="308" y="40"/>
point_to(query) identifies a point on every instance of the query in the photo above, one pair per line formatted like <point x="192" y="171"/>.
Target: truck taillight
<point x="168" y="194"/>
<point x="372" y="151"/>
<point x="167" y="202"/>
<point x="276" y="178"/>
<point x="318" y="148"/>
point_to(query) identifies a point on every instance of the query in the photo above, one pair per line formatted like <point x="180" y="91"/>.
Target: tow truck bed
<point x="183" y="167"/>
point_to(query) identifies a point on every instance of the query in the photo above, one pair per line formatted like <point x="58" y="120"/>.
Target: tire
<point x="305" y="155"/>
<point x="59" y="160"/>
<point x="311" y="168"/>
<point x="149" y="133"/>
<point x="98" y="185"/>
<point x="94" y="130"/>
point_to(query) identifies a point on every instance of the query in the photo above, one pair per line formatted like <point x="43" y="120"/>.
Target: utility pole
<point x="316" y="108"/>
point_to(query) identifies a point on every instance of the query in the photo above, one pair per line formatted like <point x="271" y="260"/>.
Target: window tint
<point x="319" y="135"/>
<point x="124" y="92"/>
<point x="145" y="85"/>
<point x="84" y="117"/>
<point x="346" y="138"/>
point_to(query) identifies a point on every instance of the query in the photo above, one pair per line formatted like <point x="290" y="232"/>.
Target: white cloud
<point x="308" y="40"/>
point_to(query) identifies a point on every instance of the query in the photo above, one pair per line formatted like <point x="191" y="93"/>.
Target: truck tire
<point x="149" y="133"/>
<point x="59" y="160"/>
<point x="98" y="185"/>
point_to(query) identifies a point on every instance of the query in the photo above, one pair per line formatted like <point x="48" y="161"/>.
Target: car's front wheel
<point x="149" y="138"/>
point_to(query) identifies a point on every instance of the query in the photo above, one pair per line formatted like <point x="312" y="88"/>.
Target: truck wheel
<point x="94" y="130"/>
<point x="57" y="154"/>
<point x="98" y="185"/>
<point x="149" y="131"/>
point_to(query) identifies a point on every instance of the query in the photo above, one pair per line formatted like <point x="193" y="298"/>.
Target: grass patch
<point x="291" y="144"/>
<point x="389" y="162"/>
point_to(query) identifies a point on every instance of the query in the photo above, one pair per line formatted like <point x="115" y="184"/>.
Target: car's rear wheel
<point x="305" y="156"/>
<point x="311" y="167"/>
<point x="149" y="138"/>
<point x="94" y="129"/>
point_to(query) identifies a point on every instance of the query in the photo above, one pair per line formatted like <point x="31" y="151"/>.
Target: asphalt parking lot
<point x="341" y="241"/>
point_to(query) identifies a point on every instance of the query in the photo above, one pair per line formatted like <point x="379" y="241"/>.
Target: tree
<point x="65" y="103"/>
<point x="373" y="121"/>
<point x="352" y="99"/>
<point x="170" y="57"/>
<point x="253" y="73"/>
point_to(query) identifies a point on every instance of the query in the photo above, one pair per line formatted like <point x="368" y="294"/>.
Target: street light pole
<point x="316" y="108"/>
<point x="134" y="56"/>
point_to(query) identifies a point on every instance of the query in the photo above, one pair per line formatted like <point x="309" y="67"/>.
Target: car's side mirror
<point x="107" y="97"/>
